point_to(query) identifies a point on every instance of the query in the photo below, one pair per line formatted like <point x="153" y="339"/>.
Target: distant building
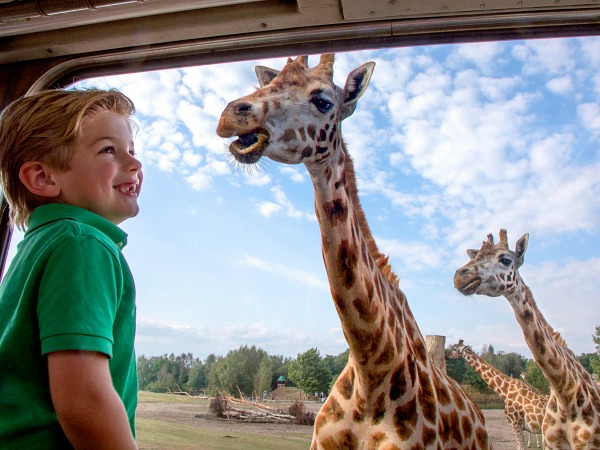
<point x="281" y="382"/>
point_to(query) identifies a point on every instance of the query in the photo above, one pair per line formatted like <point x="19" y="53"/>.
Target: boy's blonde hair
<point x="43" y="127"/>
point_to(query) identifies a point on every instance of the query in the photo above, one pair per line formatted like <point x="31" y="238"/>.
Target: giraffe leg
<point x="517" y="423"/>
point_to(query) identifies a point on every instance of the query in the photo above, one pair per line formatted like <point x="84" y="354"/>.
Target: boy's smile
<point x="105" y="177"/>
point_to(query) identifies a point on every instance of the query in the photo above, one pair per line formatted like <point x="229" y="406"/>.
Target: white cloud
<point x="560" y="85"/>
<point x="483" y="54"/>
<point x="202" y="178"/>
<point x="158" y="337"/>
<point x="553" y="56"/>
<point x="589" y="114"/>
<point x="294" y="274"/>
<point x="267" y="209"/>
<point x="191" y="159"/>
<point x="254" y="178"/>
<point x="293" y="173"/>
<point x="199" y="180"/>
<point x="282" y="203"/>
<point x="413" y="255"/>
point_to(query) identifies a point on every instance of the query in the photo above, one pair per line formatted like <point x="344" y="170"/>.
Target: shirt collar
<point x="45" y="214"/>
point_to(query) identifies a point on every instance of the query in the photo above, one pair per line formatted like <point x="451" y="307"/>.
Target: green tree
<point x="264" y="376"/>
<point x="197" y="380"/>
<point x="337" y="363"/>
<point x="310" y="373"/>
<point x="472" y="378"/>
<point x="235" y="373"/>
<point x="280" y="367"/>
<point x="510" y="364"/>
<point x="596" y="338"/>
<point x="591" y="362"/>
<point x="456" y="368"/>
<point x="535" y="377"/>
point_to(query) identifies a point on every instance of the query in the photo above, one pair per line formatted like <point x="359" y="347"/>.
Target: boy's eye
<point x="108" y="150"/>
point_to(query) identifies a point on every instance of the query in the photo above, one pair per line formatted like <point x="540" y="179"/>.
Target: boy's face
<point x="104" y="177"/>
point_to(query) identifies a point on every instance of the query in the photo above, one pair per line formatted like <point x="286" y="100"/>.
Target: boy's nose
<point x="133" y="163"/>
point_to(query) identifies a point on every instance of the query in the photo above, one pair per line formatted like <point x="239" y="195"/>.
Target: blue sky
<point x="450" y="143"/>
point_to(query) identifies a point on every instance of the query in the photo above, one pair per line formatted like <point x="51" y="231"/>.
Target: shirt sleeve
<point x="78" y="297"/>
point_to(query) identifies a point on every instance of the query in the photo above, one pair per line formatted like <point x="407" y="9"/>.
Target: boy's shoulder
<point x="60" y="222"/>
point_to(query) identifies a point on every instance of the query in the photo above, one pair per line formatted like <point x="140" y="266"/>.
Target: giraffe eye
<point x="505" y="261"/>
<point x="321" y="103"/>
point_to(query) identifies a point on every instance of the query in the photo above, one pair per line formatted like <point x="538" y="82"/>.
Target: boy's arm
<point x="89" y="409"/>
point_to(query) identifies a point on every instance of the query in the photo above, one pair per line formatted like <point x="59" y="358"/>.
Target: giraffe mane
<point x="381" y="260"/>
<point x="555" y="334"/>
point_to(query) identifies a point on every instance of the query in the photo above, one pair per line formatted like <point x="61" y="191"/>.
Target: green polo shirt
<point x="68" y="288"/>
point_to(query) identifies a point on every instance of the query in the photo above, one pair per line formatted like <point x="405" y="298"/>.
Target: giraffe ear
<point x="356" y="85"/>
<point x="472" y="253"/>
<point x="520" y="249"/>
<point x="265" y="75"/>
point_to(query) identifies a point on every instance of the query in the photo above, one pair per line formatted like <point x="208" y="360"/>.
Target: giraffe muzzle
<point x="248" y="148"/>
<point x="467" y="287"/>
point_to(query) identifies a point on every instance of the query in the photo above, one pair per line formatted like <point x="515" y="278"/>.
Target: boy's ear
<point x="39" y="179"/>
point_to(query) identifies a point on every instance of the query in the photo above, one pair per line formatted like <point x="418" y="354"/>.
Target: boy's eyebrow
<point x="110" y="138"/>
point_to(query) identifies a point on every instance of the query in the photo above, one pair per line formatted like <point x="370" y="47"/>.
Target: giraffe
<point x="572" y="416"/>
<point x="524" y="406"/>
<point x="531" y="386"/>
<point x="390" y="395"/>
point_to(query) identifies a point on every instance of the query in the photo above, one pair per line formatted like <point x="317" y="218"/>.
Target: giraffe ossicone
<point x="524" y="406"/>
<point x="572" y="416"/>
<point x="390" y="395"/>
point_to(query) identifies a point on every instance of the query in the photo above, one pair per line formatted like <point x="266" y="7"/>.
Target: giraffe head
<point x="457" y="351"/>
<point x="493" y="269"/>
<point x="295" y="115"/>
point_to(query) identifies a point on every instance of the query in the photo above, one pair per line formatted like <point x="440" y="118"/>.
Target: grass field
<point x="174" y="422"/>
<point x="169" y="422"/>
<point x="155" y="434"/>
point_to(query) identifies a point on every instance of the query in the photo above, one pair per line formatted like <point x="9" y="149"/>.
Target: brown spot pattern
<point x="345" y="439"/>
<point x="346" y="261"/>
<point x="379" y="409"/>
<point x="405" y="419"/>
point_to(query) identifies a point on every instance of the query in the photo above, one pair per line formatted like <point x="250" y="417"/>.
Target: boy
<point x="68" y="374"/>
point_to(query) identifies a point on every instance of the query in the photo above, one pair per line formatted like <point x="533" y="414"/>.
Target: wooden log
<point x="436" y="346"/>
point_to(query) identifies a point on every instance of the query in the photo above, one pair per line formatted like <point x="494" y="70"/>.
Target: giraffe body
<point x="390" y="395"/>
<point x="524" y="406"/>
<point x="572" y="416"/>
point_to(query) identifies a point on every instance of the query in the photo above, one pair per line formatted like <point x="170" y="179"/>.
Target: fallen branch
<point x="222" y="406"/>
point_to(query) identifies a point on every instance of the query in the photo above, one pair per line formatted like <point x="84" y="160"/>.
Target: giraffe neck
<point x="558" y="364"/>
<point x="495" y="379"/>
<point x="555" y="334"/>
<point x="375" y="317"/>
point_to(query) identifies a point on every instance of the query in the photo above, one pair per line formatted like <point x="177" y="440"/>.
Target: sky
<point x="450" y="143"/>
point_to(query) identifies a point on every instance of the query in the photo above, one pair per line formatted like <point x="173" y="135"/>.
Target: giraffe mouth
<point x="248" y="148"/>
<point x="470" y="287"/>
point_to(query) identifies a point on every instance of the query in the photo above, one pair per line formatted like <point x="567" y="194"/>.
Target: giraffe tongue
<point x="470" y="287"/>
<point x="248" y="148"/>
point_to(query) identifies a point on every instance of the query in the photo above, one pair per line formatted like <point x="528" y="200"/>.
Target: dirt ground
<point x="183" y="412"/>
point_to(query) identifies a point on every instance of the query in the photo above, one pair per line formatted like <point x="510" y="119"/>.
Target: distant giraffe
<point x="572" y="418"/>
<point x="524" y="379"/>
<point x="524" y="406"/>
<point x="390" y="395"/>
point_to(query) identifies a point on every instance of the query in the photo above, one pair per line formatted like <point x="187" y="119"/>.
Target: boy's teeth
<point x="127" y="189"/>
